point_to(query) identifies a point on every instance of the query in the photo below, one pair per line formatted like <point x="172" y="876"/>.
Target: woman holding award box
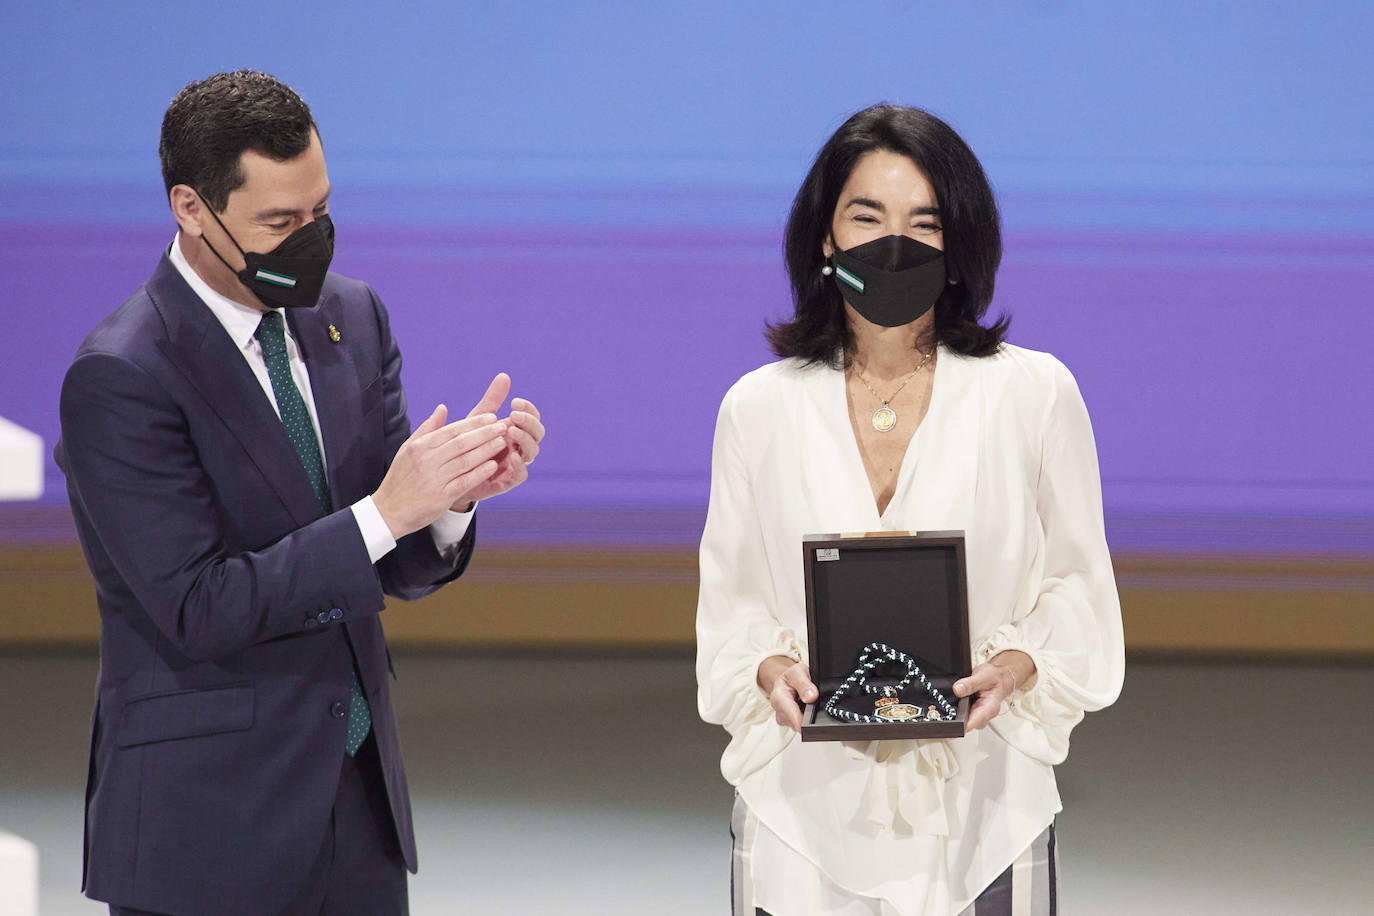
<point x="893" y="408"/>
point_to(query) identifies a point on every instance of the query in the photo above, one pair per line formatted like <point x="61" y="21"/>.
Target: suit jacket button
<point x="322" y="617"/>
<point x="336" y="613"/>
<point x="338" y="709"/>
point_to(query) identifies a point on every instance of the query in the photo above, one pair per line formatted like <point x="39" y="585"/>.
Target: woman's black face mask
<point x="890" y="281"/>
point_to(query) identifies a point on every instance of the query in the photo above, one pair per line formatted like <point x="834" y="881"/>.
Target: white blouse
<point x="1006" y="454"/>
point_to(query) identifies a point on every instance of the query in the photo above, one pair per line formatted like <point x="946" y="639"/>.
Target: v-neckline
<point x="909" y="457"/>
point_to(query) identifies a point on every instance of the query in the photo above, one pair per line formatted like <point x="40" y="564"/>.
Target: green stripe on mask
<point x="849" y="278"/>
<point x="277" y="279"/>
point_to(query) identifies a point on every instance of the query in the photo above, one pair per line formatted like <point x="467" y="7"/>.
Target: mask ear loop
<point x="233" y="241"/>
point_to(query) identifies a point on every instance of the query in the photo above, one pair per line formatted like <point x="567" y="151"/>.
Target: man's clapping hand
<point x="450" y="465"/>
<point x="524" y="432"/>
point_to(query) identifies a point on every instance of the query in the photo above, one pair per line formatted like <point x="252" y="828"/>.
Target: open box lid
<point x="906" y="589"/>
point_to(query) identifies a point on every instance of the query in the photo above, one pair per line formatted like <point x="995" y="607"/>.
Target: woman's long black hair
<point x="819" y="331"/>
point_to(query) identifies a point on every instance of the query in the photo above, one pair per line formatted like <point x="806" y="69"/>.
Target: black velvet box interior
<point x="908" y="590"/>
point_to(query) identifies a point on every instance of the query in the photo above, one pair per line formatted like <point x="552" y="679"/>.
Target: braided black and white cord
<point x="877" y="655"/>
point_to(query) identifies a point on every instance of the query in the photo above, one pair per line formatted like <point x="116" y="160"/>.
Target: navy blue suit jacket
<point x="217" y="736"/>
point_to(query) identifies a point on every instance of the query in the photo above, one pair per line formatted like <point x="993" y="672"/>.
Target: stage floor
<point x="1210" y="788"/>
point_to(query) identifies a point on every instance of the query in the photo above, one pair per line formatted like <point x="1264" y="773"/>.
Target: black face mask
<point x="890" y="281"/>
<point x="292" y="274"/>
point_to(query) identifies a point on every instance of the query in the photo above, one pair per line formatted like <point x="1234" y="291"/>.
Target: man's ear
<point x="186" y="208"/>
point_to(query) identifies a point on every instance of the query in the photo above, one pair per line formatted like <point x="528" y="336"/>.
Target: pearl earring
<point x="827" y="270"/>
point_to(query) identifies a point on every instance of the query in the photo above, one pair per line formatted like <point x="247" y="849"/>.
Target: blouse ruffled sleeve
<point x="737" y="626"/>
<point x="1073" y="628"/>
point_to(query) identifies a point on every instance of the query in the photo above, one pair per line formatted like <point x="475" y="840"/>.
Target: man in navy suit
<point x="247" y="487"/>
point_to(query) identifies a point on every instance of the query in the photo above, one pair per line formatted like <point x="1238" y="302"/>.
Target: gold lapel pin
<point x="334" y="334"/>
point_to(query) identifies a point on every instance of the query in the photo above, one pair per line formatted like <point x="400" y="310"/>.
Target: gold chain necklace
<point x="885" y="418"/>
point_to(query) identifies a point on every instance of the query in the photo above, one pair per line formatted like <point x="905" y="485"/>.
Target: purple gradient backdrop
<point x="1226" y="377"/>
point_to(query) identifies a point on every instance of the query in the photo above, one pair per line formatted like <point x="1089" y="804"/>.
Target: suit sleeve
<point x="416" y="567"/>
<point x="133" y="464"/>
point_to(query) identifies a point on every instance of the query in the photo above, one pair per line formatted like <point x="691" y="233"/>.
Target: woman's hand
<point x="994" y="681"/>
<point x="788" y="685"/>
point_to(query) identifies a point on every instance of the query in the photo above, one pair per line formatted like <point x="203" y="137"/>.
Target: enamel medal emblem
<point x="889" y="708"/>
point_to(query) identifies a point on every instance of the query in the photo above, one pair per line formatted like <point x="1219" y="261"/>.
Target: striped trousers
<point x="1029" y="886"/>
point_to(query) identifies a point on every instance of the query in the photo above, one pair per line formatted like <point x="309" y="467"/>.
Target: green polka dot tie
<point x="271" y="334"/>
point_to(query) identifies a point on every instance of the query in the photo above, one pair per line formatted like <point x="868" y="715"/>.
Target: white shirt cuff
<point x="448" y="531"/>
<point x="376" y="535"/>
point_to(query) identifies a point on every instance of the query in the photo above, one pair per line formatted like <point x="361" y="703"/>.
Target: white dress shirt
<point x="241" y="323"/>
<point x="1005" y="454"/>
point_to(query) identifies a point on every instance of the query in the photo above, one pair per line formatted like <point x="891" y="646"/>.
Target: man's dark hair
<point x="211" y="122"/>
<point x="818" y="331"/>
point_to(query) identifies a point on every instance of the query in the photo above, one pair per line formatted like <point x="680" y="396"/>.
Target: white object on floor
<point x="21" y="463"/>
<point x="18" y="876"/>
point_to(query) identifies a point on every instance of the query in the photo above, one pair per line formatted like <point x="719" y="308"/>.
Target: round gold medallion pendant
<point x="884" y="418"/>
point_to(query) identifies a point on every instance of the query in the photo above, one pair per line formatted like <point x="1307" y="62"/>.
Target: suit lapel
<point x="338" y="399"/>
<point x="203" y="352"/>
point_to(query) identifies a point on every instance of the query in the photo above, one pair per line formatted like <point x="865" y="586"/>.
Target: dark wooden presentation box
<point x="906" y="589"/>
